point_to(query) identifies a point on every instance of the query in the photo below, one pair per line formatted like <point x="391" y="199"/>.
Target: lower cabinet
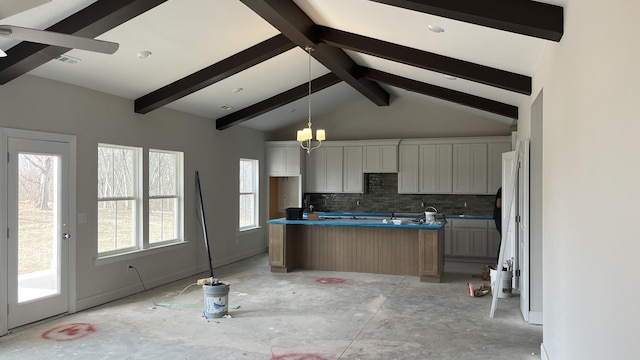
<point x="471" y="238"/>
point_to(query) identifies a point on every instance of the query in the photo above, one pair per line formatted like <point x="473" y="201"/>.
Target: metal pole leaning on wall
<point x="204" y="223"/>
<point x="497" y="286"/>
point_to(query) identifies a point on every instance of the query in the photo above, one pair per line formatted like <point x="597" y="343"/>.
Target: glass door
<point x="37" y="217"/>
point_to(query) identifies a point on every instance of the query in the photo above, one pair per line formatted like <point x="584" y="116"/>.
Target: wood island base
<point x="380" y="250"/>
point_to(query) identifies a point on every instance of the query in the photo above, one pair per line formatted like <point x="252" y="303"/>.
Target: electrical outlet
<point x="422" y="204"/>
<point x="357" y="202"/>
<point x="129" y="267"/>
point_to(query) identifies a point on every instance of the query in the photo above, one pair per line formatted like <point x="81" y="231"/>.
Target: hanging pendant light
<point x="305" y="136"/>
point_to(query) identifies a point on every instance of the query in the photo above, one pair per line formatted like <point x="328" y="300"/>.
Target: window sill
<point x="247" y="231"/>
<point x="112" y="259"/>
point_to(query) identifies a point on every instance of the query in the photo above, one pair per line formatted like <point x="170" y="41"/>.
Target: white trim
<point x="535" y="317"/>
<point x="543" y="353"/>
<point x="115" y="258"/>
<point x="6" y="133"/>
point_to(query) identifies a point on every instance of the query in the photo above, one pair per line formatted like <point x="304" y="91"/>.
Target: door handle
<point x="66" y="236"/>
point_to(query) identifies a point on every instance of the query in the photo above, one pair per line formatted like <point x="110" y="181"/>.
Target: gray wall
<point x="404" y="118"/>
<point x="34" y="103"/>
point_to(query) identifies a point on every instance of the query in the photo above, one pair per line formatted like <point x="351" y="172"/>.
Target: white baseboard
<point x="543" y="353"/>
<point x="535" y="317"/>
<point x="96" y="300"/>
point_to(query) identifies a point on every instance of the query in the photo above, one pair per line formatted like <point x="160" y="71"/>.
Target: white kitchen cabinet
<point x="324" y="170"/>
<point x="425" y="169"/>
<point x="353" y="176"/>
<point x="495" y="151"/>
<point x="435" y="169"/>
<point x="283" y="160"/>
<point x="408" y="169"/>
<point x="469" y="238"/>
<point x="470" y="168"/>
<point x="380" y="158"/>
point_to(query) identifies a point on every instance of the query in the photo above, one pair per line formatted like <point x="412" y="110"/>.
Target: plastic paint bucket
<point x="506" y="282"/>
<point x="216" y="299"/>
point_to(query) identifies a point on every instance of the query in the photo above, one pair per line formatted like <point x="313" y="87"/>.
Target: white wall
<point x="591" y="177"/>
<point x="38" y="104"/>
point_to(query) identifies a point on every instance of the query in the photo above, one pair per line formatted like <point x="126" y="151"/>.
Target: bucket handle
<point x="431" y="207"/>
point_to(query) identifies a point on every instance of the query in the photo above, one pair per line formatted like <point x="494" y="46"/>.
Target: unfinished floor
<point x="302" y="315"/>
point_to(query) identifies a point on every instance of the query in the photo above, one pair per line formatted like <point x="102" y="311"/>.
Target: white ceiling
<point x="187" y="35"/>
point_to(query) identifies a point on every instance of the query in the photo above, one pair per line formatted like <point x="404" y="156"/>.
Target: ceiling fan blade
<point x="58" y="39"/>
<point x="10" y="8"/>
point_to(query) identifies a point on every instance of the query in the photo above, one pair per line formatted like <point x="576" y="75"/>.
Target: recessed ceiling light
<point x="144" y="54"/>
<point x="451" y="77"/>
<point x="237" y="90"/>
<point x="436" y="29"/>
<point x="226" y="107"/>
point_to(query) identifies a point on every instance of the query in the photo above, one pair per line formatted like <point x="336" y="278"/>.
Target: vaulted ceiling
<point x="243" y="62"/>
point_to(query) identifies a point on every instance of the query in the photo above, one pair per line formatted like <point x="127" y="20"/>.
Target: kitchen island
<point x="359" y="243"/>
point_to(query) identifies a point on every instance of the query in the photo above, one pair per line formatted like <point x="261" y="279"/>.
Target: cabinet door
<point x="444" y="168"/>
<point x="371" y="159"/>
<point x="470" y="168"/>
<point x="494" y="173"/>
<point x="334" y="168"/>
<point x="436" y="169"/>
<point x="275" y="163"/>
<point x="408" y="169"/>
<point x="428" y="169"/>
<point x="469" y="242"/>
<point x="292" y="160"/>
<point x="353" y="177"/>
<point x="380" y="159"/>
<point x="388" y="159"/>
<point x="316" y="171"/>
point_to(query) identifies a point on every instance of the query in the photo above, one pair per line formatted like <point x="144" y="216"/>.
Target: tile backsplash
<point x="381" y="196"/>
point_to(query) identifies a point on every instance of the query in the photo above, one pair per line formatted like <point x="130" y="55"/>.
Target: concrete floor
<point x="292" y="317"/>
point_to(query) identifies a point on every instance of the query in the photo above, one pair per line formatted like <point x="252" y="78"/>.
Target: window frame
<point x="179" y="199"/>
<point x="136" y="197"/>
<point x="142" y="196"/>
<point x="256" y="194"/>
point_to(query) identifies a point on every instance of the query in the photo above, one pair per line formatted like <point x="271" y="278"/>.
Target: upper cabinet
<point x="381" y="157"/>
<point x="284" y="158"/>
<point x="470" y="168"/>
<point x="451" y="166"/>
<point x="352" y="175"/>
<point x="324" y="170"/>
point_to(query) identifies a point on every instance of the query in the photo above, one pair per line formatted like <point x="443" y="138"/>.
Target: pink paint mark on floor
<point x="330" y="281"/>
<point x="69" y="332"/>
<point x="298" y="357"/>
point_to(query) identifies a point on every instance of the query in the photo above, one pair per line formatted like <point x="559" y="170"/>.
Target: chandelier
<point x="304" y="136"/>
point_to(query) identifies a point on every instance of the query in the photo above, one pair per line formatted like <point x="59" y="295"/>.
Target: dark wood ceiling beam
<point x="531" y="18"/>
<point x="276" y="101"/>
<point x="293" y="23"/>
<point x="426" y="60"/>
<point x="458" y="97"/>
<point x="214" y="73"/>
<point x="95" y="19"/>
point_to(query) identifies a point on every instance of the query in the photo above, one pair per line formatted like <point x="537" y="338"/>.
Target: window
<point x="165" y="196"/>
<point x="120" y="185"/>
<point x="118" y="198"/>
<point x="248" y="194"/>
